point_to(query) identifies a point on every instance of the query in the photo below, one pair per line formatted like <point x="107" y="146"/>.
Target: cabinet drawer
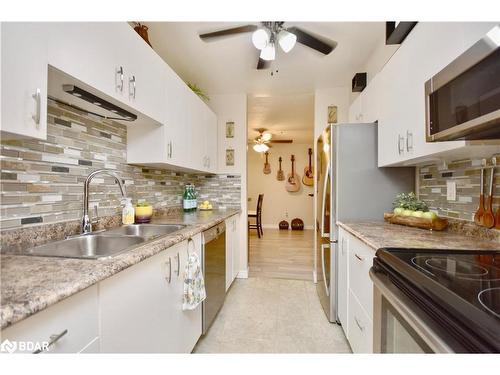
<point x="360" y="261"/>
<point x="360" y="327"/>
<point x="77" y="314"/>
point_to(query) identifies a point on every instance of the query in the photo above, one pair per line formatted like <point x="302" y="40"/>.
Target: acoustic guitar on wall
<point x="308" y="178"/>
<point x="267" y="166"/>
<point x="280" y="176"/>
<point x="293" y="180"/>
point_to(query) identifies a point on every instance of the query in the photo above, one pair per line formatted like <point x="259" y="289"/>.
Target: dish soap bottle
<point x="128" y="212"/>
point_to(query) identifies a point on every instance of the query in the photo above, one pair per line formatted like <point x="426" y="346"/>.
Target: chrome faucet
<point x="86" y="223"/>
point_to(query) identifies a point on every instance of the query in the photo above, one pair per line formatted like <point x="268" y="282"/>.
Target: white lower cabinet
<point x="72" y="325"/>
<point x="141" y="307"/>
<point x="343" y="281"/>
<point x="232" y="253"/>
<point x="355" y="300"/>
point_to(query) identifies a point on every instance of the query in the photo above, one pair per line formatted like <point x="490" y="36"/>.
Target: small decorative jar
<point x="143" y="213"/>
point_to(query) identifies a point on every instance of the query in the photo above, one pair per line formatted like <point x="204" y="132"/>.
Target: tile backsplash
<point x="42" y="181"/>
<point x="466" y="174"/>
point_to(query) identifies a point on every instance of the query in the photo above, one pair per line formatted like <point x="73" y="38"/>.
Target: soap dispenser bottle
<point x="128" y="213"/>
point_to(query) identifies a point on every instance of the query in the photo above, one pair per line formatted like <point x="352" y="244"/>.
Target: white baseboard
<point x="243" y="274"/>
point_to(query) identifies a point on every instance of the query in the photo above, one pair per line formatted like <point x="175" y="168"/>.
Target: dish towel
<point x="194" y="284"/>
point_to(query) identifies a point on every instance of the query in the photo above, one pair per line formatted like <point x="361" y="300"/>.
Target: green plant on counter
<point x="409" y="201"/>
<point x="198" y="91"/>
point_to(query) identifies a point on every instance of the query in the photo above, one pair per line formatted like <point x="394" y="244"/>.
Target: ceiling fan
<point x="263" y="140"/>
<point x="267" y="34"/>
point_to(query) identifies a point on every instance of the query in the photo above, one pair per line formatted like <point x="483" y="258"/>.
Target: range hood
<point x="68" y="90"/>
<point x="99" y="102"/>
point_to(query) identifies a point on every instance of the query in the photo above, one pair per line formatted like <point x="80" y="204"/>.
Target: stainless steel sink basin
<point x="89" y="246"/>
<point x="147" y="231"/>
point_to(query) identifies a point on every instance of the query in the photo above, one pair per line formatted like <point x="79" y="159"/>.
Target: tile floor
<point x="265" y="315"/>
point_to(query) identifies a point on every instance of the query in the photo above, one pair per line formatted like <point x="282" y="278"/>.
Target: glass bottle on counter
<point x="185" y="199"/>
<point x="194" y="198"/>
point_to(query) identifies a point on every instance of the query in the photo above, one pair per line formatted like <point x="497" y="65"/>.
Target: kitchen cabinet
<point x="72" y="324"/>
<point x="122" y="65"/>
<point x="343" y="280"/>
<point x="232" y="254"/>
<point x="141" y="307"/>
<point x="24" y="60"/>
<point x="355" y="298"/>
<point x="395" y="96"/>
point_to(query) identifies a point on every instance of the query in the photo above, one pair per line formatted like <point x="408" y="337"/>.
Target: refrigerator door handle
<point x="323" y="203"/>
<point x="323" y="267"/>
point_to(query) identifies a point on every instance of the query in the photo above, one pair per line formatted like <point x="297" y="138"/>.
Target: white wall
<point x="323" y="98"/>
<point x="279" y="204"/>
<point x="233" y="107"/>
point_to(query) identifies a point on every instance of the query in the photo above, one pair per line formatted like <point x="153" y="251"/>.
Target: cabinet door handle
<point x="119" y="73"/>
<point x="178" y="272"/>
<point x="360" y="326"/>
<point x="169" y="278"/>
<point x="400" y="144"/>
<point x="359" y="258"/>
<point x="409" y="136"/>
<point x="131" y="82"/>
<point x="342" y="246"/>
<point x="52" y="340"/>
<point x="169" y="150"/>
<point x="38" y="107"/>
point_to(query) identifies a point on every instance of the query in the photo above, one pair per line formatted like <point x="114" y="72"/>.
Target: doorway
<point x="280" y="168"/>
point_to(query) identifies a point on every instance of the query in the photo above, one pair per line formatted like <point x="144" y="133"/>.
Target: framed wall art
<point x="230" y="129"/>
<point x="229" y="157"/>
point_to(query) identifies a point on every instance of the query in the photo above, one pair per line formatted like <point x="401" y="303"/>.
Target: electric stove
<point x="455" y="290"/>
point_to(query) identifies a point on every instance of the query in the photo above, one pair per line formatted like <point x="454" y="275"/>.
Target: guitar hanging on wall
<point x="280" y="176"/>
<point x="308" y="178"/>
<point x="267" y="166"/>
<point x="293" y="180"/>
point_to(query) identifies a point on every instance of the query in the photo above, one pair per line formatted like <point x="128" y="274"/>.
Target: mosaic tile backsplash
<point x="42" y="181"/>
<point x="466" y="174"/>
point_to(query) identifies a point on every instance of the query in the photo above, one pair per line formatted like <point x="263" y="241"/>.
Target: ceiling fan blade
<point x="263" y="64"/>
<point x="281" y="141"/>
<point x="310" y="41"/>
<point x="227" y="32"/>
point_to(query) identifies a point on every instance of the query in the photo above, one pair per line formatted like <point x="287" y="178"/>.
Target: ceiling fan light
<point x="260" y="38"/>
<point x="286" y="40"/>
<point x="268" y="53"/>
<point x="260" y="147"/>
<point x="266" y="137"/>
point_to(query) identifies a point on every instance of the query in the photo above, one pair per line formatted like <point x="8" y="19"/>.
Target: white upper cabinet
<point x="24" y="80"/>
<point x="395" y="96"/>
<point x="112" y="58"/>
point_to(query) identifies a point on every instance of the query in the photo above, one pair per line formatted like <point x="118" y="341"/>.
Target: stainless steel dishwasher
<point x="214" y="270"/>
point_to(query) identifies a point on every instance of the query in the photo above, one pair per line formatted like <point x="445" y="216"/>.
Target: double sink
<point x="104" y="244"/>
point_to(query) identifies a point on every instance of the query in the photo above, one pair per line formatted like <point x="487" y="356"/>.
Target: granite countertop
<point x="30" y="284"/>
<point x="377" y="234"/>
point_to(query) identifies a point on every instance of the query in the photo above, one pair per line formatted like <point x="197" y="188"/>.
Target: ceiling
<point x="228" y="65"/>
<point x="285" y="116"/>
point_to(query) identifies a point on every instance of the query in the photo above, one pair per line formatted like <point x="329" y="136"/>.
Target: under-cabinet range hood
<point x="70" y="91"/>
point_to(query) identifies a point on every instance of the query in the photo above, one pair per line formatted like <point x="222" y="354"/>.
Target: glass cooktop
<point x="460" y="288"/>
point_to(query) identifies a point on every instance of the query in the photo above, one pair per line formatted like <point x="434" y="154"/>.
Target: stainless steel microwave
<point x="463" y="100"/>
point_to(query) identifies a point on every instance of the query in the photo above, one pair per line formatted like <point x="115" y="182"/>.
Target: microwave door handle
<point x="323" y="203"/>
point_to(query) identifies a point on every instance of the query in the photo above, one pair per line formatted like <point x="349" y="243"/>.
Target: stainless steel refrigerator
<point x="349" y="187"/>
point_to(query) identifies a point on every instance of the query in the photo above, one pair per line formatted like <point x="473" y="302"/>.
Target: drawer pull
<point x="178" y="264"/>
<point x="359" y="258"/>
<point x="52" y="340"/>
<point x="360" y="326"/>
<point x="169" y="278"/>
